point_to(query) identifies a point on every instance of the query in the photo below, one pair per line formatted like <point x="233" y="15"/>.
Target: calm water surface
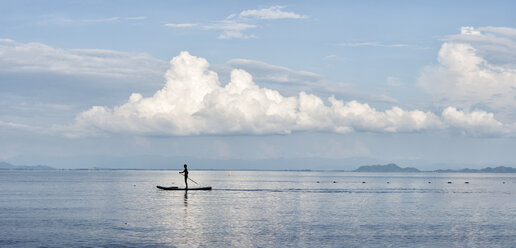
<point x="256" y="209"/>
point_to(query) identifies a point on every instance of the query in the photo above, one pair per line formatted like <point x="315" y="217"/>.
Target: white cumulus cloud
<point x="193" y="102"/>
<point x="476" y="123"/>
<point x="476" y="69"/>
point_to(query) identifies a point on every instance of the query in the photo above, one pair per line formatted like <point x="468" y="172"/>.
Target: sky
<point x="258" y="85"/>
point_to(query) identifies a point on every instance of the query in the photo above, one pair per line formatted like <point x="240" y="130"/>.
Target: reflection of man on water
<point x="185" y="173"/>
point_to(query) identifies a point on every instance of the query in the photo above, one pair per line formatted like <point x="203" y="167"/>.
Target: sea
<point x="123" y="208"/>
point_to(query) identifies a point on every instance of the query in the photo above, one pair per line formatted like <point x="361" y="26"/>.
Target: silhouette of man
<point x="185" y="173"/>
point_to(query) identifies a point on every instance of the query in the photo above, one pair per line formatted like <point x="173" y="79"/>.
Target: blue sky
<point x="260" y="84"/>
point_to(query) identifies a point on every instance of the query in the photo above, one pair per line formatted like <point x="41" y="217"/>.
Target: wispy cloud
<point x="67" y="20"/>
<point x="394" y="81"/>
<point x="332" y="57"/>
<point x="235" y="26"/>
<point x="38" y="57"/>
<point x="278" y="74"/>
<point x="370" y="44"/>
<point x="292" y="81"/>
<point x="231" y="29"/>
<point x="271" y="13"/>
<point x="108" y="19"/>
<point x="180" y="25"/>
<point x="135" y="18"/>
<point x="20" y="126"/>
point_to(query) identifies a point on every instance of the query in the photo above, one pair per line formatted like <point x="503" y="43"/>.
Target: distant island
<point x="8" y="166"/>
<point x="395" y="168"/>
<point x="499" y="169"/>
<point x="385" y="168"/>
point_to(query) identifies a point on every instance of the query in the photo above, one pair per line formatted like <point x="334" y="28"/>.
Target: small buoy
<point x="429" y="182"/>
<point x="363" y="182"/>
<point x="388" y="182"/>
<point x="134" y="185"/>
<point x="466" y="182"/>
<point x="503" y="182"/>
<point x="449" y="182"/>
<point x="334" y="182"/>
<point x="317" y="181"/>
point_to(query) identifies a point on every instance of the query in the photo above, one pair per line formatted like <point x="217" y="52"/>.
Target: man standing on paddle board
<point x="185" y="173"/>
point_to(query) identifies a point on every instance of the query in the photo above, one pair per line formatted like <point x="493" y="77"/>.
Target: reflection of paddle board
<point x="177" y="188"/>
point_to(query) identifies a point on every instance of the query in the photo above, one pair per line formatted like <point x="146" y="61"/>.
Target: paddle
<point x="189" y="178"/>
<point x="193" y="181"/>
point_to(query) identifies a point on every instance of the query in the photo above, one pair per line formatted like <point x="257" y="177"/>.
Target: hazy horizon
<point x="279" y="164"/>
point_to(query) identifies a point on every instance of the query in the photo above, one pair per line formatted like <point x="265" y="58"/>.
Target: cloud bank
<point x="38" y="57"/>
<point x="193" y="102"/>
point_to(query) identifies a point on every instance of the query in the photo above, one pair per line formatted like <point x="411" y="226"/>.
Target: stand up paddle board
<point x="177" y="188"/>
